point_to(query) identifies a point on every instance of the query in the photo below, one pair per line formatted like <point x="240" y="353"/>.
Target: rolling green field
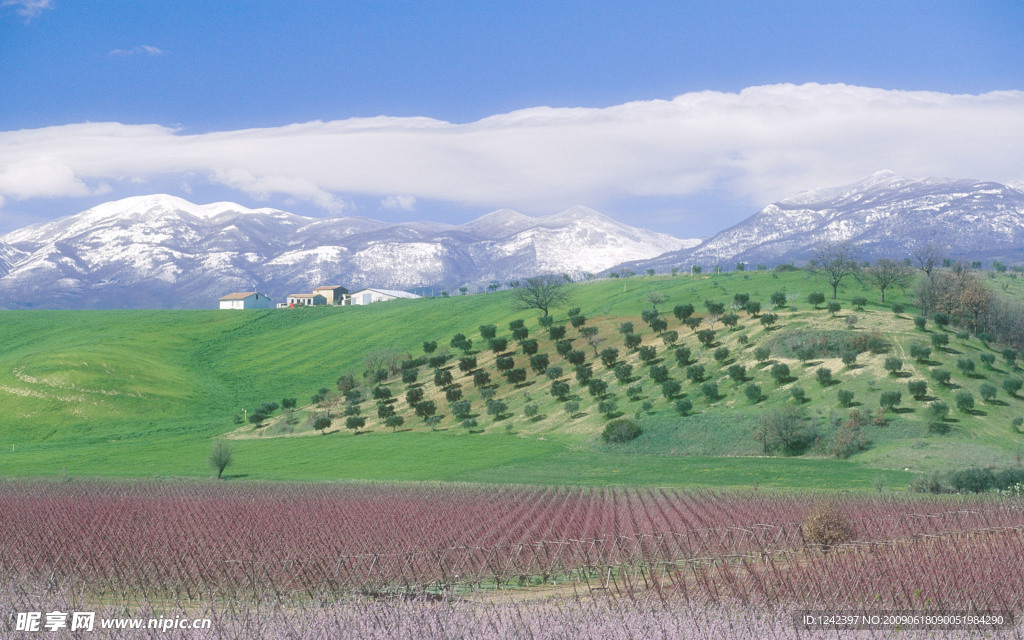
<point x="143" y="393"/>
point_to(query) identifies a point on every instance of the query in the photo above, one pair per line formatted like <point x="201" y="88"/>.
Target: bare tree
<point x="220" y="456"/>
<point x="834" y="262"/>
<point x="886" y="273"/>
<point x="541" y="292"/>
<point x="927" y="257"/>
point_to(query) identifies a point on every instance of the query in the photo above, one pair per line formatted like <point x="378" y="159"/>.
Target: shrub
<point x="608" y="407"/>
<point x="560" y="389"/>
<point x="563" y="347"/>
<point x="576" y="357"/>
<point x="710" y="391"/>
<point x="827" y="526"/>
<point x="805" y="354"/>
<point x="942" y="376"/>
<point x="730" y="320"/>
<point x="920" y="322"/>
<point x="721" y="354"/>
<point x="461" y="408"/>
<point x="488" y="331"/>
<point x="778" y="299"/>
<point x="430" y="347"/>
<point x="938" y="428"/>
<point x="531" y="410"/>
<point x="1010" y="356"/>
<point x="498" y="345"/>
<point x="597" y="388"/>
<point x="752" y="307"/>
<point x="849" y="358"/>
<point x="461" y="342"/>
<point x="394" y="422"/>
<point x="893" y="365"/>
<point x="965" y="365"/>
<point x="516" y="324"/>
<point x="859" y="302"/>
<point x="920" y="352"/>
<point x="834" y="307"/>
<point x="851" y="320"/>
<point x="768" y="319"/>
<point x="824" y="376"/>
<point x="623" y="372"/>
<point x="583" y="374"/>
<point x="425" y="409"/>
<point x="621" y="430"/>
<point x="975" y="480"/>
<point x="481" y="378"/>
<point x="647" y="354"/>
<point x="670" y="388"/>
<point x="683" y="356"/>
<point x="706" y="337"/>
<point x="799" y="395"/>
<point x="898" y="308"/>
<point x="658" y="325"/>
<point x="988" y="359"/>
<point x="941" y="319"/>
<point x="761" y="354"/>
<point x="529" y="347"/>
<point x="355" y="422"/>
<point x="753" y="393"/>
<point x="684" y="406"/>
<point x="695" y="372"/>
<point x="539" y="363"/>
<point x="409" y="376"/>
<point x="487" y="392"/>
<point x="658" y="373"/>
<point x="917" y="388"/>
<point x="742" y="338"/>
<point x="632" y="340"/>
<point x="504" y="363"/>
<point x="609" y="356"/>
<point x="964" y="400"/>
<point x="577" y="320"/>
<point x="496" y="408"/>
<point x="1017" y="423"/>
<point x="963" y="336"/>
<point x="780" y="372"/>
<point x="845" y="397"/>
<point x="1012" y="385"/>
<point x="737" y="373"/>
<point x="322" y="422"/>
<point x="987" y="392"/>
<point x="442" y="378"/>
<point x="940" y="340"/>
<point x="682" y="311"/>
<point x="816" y="299"/>
<point x="571" y="407"/>
<point x="669" y="338"/>
<point x="626" y="328"/>
<point x="890" y="399"/>
<point x="556" y="332"/>
<point x="938" y="410"/>
<point x="414" y="395"/>
<point x="553" y="372"/>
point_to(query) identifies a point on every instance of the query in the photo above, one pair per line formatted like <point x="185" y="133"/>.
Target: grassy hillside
<point x="142" y="393"/>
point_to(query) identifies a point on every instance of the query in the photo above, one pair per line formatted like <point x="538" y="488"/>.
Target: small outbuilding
<point x="369" y="296"/>
<point x="245" y="300"/>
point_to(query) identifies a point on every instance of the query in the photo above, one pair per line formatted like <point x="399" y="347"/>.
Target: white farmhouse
<point x="306" y="300"/>
<point x="369" y="296"/>
<point x="334" y="294"/>
<point x="245" y="300"/>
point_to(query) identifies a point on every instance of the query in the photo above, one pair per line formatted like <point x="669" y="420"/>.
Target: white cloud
<point x="142" y="49"/>
<point x="27" y="8"/>
<point x="761" y="144"/>
<point x="405" y="203"/>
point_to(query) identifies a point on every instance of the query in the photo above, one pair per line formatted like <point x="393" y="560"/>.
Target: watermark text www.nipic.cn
<point x="86" y="621"/>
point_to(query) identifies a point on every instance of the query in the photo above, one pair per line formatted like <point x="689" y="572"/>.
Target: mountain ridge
<point x="161" y="250"/>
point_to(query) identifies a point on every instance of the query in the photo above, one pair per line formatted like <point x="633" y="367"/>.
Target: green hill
<point x="142" y="393"/>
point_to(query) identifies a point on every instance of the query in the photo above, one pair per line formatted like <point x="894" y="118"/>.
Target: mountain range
<point x="883" y="216"/>
<point x="160" y="251"/>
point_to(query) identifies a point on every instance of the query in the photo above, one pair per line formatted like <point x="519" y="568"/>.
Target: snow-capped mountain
<point x="884" y="215"/>
<point x="161" y="251"/>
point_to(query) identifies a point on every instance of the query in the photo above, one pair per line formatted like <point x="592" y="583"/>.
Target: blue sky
<point x="679" y="116"/>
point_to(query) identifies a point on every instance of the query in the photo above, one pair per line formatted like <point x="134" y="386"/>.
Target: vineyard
<point x="352" y="547"/>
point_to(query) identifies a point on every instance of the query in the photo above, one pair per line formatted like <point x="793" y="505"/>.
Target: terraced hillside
<point x="143" y="393"/>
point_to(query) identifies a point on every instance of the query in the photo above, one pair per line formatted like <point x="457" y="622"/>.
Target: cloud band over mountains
<point x="760" y="144"/>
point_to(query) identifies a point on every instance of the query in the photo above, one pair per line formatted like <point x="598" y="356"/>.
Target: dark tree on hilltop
<point x="543" y="293"/>
<point x="834" y="262"/>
